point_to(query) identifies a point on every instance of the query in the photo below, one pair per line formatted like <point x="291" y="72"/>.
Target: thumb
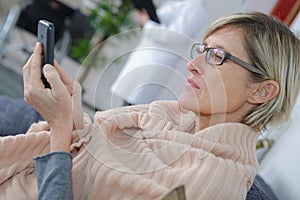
<point x="52" y="77"/>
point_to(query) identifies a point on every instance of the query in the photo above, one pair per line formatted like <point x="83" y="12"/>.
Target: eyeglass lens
<point x="215" y="56"/>
<point x="197" y="50"/>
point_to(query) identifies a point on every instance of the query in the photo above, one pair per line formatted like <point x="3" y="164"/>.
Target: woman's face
<point x="212" y="90"/>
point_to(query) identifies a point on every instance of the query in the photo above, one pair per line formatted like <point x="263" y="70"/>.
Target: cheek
<point x="235" y="94"/>
<point x="236" y="100"/>
<point x="216" y="96"/>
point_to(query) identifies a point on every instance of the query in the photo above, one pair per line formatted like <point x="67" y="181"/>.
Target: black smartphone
<point x="45" y="35"/>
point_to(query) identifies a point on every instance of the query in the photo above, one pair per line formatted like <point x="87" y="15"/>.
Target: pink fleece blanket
<point x="140" y="152"/>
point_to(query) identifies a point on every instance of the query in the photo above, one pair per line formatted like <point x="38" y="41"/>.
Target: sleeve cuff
<point x="53" y="154"/>
<point x="54" y="175"/>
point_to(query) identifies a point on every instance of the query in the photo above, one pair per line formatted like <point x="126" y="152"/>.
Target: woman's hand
<point x="55" y="104"/>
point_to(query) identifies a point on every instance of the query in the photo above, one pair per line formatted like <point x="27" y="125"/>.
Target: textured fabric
<point x="59" y="165"/>
<point x="140" y="152"/>
<point x="16" y="116"/>
<point x="54" y="176"/>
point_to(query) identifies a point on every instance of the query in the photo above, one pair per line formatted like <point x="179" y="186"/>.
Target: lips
<point x="192" y="83"/>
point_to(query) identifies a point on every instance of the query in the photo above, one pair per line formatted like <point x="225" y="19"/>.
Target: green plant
<point x="111" y="16"/>
<point x="107" y="18"/>
<point x="80" y="49"/>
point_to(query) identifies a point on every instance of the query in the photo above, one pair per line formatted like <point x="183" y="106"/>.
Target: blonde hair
<point x="274" y="49"/>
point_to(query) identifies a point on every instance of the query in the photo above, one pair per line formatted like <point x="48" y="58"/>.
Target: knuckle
<point x="27" y="99"/>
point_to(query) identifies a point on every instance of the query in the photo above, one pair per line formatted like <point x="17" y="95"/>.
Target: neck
<point x="205" y="121"/>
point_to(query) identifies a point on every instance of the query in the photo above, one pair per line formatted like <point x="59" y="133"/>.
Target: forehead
<point x="227" y="38"/>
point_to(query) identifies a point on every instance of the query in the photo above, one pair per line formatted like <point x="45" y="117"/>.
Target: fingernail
<point x="36" y="44"/>
<point x="48" y="68"/>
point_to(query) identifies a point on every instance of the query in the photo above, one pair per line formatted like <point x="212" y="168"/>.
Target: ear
<point x="263" y="92"/>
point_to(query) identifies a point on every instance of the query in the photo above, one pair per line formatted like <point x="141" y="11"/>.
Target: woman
<point x="241" y="80"/>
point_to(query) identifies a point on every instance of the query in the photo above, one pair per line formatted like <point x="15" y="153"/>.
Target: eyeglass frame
<point x="227" y="55"/>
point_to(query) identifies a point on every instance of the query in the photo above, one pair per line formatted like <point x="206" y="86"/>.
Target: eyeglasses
<point x="217" y="56"/>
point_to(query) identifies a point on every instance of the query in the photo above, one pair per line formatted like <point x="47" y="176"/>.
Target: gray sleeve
<point x="54" y="176"/>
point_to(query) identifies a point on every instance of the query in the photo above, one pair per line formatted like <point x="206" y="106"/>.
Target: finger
<point x="26" y="72"/>
<point x="52" y="76"/>
<point x="77" y="106"/>
<point x="37" y="127"/>
<point x="28" y="63"/>
<point x="65" y="77"/>
<point x="35" y="66"/>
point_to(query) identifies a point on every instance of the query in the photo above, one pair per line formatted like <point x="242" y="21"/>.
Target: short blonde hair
<point x="274" y="49"/>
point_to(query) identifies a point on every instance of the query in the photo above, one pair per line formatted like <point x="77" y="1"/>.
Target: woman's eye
<point x="219" y="55"/>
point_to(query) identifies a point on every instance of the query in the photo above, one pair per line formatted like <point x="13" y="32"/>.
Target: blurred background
<point x="108" y="25"/>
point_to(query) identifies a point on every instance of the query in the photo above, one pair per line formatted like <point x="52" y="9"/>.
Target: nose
<point x="193" y="65"/>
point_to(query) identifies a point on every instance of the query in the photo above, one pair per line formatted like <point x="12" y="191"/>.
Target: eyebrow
<point x="223" y="48"/>
<point x="217" y="46"/>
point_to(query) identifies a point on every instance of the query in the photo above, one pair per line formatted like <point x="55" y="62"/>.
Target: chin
<point x="188" y="102"/>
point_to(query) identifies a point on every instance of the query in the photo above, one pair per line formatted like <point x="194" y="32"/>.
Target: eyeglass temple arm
<point x="244" y="64"/>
